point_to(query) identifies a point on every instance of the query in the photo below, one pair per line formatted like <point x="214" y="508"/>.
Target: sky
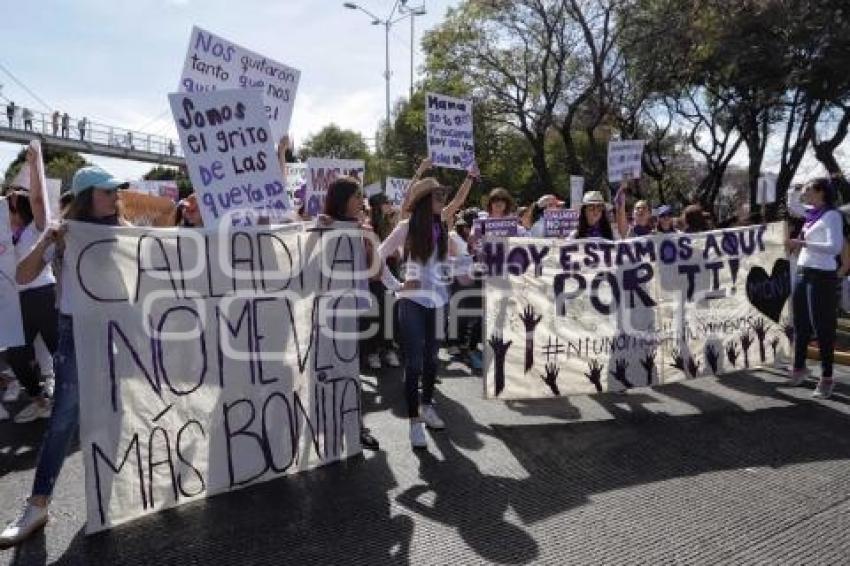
<point x="116" y="62"/>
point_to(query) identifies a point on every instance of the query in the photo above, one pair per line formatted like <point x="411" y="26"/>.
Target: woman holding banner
<point x="95" y="201"/>
<point x="28" y="216"/>
<point x="815" y="297"/>
<point x="425" y="291"/>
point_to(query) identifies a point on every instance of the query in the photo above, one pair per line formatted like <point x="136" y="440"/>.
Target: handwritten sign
<point x="397" y="189"/>
<point x="576" y="191"/>
<point x="214" y="63"/>
<point x="560" y="223"/>
<point x="295" y="175"/>
<point x="498" y="227"/>
<point x="624" y="160"/>
<point x="210" y="364"/>
<point x="230" y="155"/>
<point x="580" y="316"/>
<point x="12" y="330"/>
<point x="322" y="172"/>
<point x="450" y="141"/>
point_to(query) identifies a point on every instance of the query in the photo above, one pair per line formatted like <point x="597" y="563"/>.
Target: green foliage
<point x="58" y="164"/>
<point x="162" y="173"/>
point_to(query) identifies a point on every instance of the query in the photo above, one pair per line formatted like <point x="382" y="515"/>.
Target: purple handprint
<point x="595" y="374"/>
<point x="746" y="342"/>
<point x="788" y="329"/>
<point x="761" y="333"/>
<point x="530" y="319"/>
<point x="712" y="356"/>
<point x="619" y="372"/>
<point x="732" y="353"/>
<point x="678" y="360"/>
<point x="551" y="378"/>
<point x="693" y="367"/>
<point x="774" y="345"/>
<point x="500" y="350"/>
<point x="648" y="363"/>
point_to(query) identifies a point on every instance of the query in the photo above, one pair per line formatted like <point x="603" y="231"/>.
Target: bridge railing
<point x="90" y="132"/>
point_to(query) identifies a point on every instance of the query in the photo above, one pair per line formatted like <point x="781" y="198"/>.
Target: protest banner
<point x="12" y="330"/>
<point x="164" y="188"/>
<point x="295" y="175"/>
<point x="576" y="191"/>
<point x="230" y="156"/>
<point x="322" y="172"/>
<point x="560" y="223"/>
<point x="498" y="227"/>
<point x="143" y="209"/>
<point x="54" y="193"/>
<point x="212" y="360"/>
<point x="588" y="316"/>
<point x="397" y="189"/>
<point x="766" y="190"/>
<point x="624" y="160"/>
<point x="214" y="63"/>
<point x="450" y="140"/>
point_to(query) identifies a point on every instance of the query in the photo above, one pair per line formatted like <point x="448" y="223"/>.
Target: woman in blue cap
<point x="95" y="201"/>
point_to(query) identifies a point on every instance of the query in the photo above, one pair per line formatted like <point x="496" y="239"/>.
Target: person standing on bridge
<point x="95" y="201"/>
<point x="81" y="126"/>
<point x="55" y="123"/>
<point x="66" y="122"/>
<point x="26" y="114"/>
<point x="10" y="113"/>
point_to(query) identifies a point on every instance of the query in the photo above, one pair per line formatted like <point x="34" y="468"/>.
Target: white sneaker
<point x="824" y="388"/>
<point x="431" y="418"/>
<point x="37" y="409"/>
<point x="13" y="391"/>
<point x="4" y="414"/>
<point x="797" y="376"/>
<point x="374" y="361"/>
<point x="391" y="358"/>
<point x="418" y="438"/>
<point x="31" y="519"/>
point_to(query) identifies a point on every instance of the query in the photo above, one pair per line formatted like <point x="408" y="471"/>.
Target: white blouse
<point x="824" y="240"/>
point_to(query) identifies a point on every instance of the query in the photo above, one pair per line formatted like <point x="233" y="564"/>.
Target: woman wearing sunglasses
<point x="423" y="239"/>
<point x="593" y="221"/>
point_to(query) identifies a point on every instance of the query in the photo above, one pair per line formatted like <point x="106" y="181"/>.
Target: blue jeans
<point x="418" y="326"/>
<point x="66" y="412"/>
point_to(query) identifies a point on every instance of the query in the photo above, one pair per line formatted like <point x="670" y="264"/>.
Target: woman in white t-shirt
<point x="95" y="201"/>
<point x="38" y="297"/>
<point x="816" y="292"/>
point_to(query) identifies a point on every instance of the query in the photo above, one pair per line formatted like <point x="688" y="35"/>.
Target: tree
<point x="334" y="142"/>
<point x="58" y="164"/>
<point x="161" y="173"/>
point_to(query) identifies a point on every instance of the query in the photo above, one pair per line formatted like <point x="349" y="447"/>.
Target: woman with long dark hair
<point x="425" y="291"/>
<point x="382" y="220"/>
<point x="593" y="220"/>
<point x="815" y="297"/>
<point x="95" y="201"/>
<point x="28" y="217"/>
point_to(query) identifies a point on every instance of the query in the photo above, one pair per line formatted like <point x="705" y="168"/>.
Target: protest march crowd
<point x="421" y="253"/>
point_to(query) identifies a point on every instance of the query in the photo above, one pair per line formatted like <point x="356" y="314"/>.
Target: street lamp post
<point x="413" y="13"/>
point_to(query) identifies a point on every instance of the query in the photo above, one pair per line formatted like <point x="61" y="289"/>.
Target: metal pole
<point x="387" y="72"/>
<point x="412" y="18"/>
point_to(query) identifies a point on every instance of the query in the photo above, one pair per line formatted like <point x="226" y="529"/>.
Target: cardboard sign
<point x="230" y="156"/>
<point x="322" y="172"/>
<point x="214" y="63"/>
<point x="560" y="223"/>
<point x="498" y="227"/>
<point x="143" y="209"/>
<point x="582" y="317"/>
<point x="624" y="160"/>
<point x="766" y="190"/>
<point x="450" y="140"/>
<point x="12" y="329"/>
<point x="576" y="191"/>
<point x="397" y="189"/>
<point x="197" y="380"/>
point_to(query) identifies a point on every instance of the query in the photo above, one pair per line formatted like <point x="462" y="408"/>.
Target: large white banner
<point x="209" y="361"/>
<point x="214" y="63"/>
<point x="450" y="140"/>
<point x="230" y="156"/>
<point x="12" y="330"/>
<point x="585" y="316"/>
<point x="321" y="173"/>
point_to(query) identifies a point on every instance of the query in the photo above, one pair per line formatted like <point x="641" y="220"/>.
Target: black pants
<point x="380" y="341"/>
<point x="815" y="311"/>
<point x="38" y="311"/>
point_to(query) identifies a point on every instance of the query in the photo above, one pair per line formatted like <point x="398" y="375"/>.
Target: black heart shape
<point x="769" y="293"/>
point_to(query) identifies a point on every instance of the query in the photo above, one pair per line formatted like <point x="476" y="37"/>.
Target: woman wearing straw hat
<point x="424" y="240"/>
<point x="593" y="221"/>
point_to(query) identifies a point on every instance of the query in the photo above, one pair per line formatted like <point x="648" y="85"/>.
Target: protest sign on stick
<point x="322" y="172"/>
<point x="214" y="63"/>
<point x="230" y="156"/>
<point x="295" y="175"/>
<point x="624" y="160"/>
<point x="237" y="367"/>
<point x="589" y="316"/>
<point x="498" y="227"/>
<point x="560" y="223"/>
<point x="449" y="130"/>
<point x="12" y="330"/>
<point x="397" y="188"/>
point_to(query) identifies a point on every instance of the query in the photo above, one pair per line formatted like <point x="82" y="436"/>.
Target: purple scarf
<point x="436" y="229"/>
<point x="813" y="215"/>
<point x="594" y="231"/>
<point x="639" y="230"/>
